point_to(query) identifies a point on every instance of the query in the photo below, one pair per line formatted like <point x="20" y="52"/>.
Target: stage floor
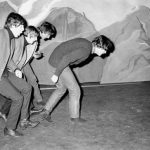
<point x="118" y="118"/>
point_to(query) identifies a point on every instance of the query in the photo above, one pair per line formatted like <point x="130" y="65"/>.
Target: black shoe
<point x="46" y="115"/>
<point x="78" y="120"/>
<point x="10" y="132"/>
<point x="35" y="111"/>
<point x="3" y="116"/>
<point x="27" y="123"/>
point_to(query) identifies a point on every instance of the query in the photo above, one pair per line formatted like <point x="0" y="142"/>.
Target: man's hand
<point x="18" y="73"/>
<point x="54" y="78"/>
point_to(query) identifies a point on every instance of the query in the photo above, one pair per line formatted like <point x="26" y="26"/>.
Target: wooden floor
<point x="118" y="118"/>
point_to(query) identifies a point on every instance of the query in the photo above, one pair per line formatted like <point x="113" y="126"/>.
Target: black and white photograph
<point x="74" y="75"/>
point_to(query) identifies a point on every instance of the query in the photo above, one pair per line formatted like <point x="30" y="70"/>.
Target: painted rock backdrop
<point x="131" y="60"/>
<point x="129" y="63"/>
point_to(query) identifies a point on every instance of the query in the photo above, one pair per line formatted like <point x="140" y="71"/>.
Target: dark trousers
<point x="5" y="105"/>
<point x="19" y="92"/>
<point x="32" y="80"/>
<point x="67" y="81"/>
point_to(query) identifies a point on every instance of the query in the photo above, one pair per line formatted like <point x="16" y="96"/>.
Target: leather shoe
<point x="10" y="132"/>
<point x="46" y="115"/>
<point x="35" y="111"/>
<point x="28" y="123"/>
<point x="3" y="116"/>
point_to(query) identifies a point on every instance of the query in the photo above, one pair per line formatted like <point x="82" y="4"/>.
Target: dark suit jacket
<point x="21" y="57"/>
<point x="6" y="49"/>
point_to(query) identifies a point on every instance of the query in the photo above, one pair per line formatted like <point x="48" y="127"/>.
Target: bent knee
<point x="27" y="88"/>
<point x="75" y="89"/>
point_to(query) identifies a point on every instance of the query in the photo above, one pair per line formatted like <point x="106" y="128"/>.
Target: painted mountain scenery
<point x="129" y="63"/>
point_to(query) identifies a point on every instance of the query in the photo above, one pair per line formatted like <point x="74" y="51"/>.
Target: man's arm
<point x="75" y="57"/>
<point x="18" y="45"/>
<point x="62" y="65"/>
<point x="12" y="66"/>
<point x="4" y="49"/>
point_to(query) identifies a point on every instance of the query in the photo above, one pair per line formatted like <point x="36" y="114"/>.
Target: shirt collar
<point x="10" y="34"/>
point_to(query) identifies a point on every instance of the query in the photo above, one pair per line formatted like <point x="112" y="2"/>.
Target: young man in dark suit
<point x="11" y="86"/>
<point x="14" y="27"/>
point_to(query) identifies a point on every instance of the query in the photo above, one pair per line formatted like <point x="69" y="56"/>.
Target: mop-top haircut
<point x="47" y="27"/>
<point x="32" y="31"/>
<point x="105" y="43"/>
<point x="14" y="19"/>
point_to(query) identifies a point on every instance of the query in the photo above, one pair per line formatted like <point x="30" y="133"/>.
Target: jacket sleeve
<point x="4" y="49"/>
<point x="11" y="64"/>
<point x="18" y="47"/>
<point x="73" y="58"/>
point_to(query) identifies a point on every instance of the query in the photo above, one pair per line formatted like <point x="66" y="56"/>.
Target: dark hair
<point x="15" y="19"/>
<point x="47" y="27"/>
<point x="32" y="31"/>
<point x="105" y="43"/>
